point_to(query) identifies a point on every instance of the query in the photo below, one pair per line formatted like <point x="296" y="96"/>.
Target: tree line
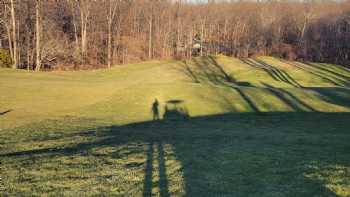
<point x="74" y="34"/>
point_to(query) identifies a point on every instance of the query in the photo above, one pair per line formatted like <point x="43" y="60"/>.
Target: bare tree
<point x="84" y="6"/>
<point x="112" y="11"/>
<point x="14" y="34"/>
<point x="38" y="34"/>
<point x="88" y="32"/>
<point x="6" y="22"/>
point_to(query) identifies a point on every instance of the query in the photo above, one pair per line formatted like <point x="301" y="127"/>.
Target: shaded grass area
<point x="239" y="154"/>
<point x="252" y="127"/>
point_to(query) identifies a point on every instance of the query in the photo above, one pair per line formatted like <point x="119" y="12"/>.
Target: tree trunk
<point x="202" y="37"/>
<point x="109" y="41"/>
<point x="28" y="37"/>
<point x="109" y="47"/>
<point x="75" y="29"/>
<point x="8" y="29"/>
<point x="83" y="40"/>
<point x="38" y="34"/>
<point x="14" y="34"/>
<point x="191" y="44"/>
<point x="150" y="37"/>
<point x="84" y="16"/>
<point x="19" y="49"/>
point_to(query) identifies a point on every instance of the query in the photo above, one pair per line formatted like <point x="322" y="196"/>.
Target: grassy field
<point x="254" y="127"/>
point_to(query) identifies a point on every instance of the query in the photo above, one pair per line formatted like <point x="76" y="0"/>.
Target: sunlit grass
<point x="260" y="130"/>
<point x="334" y="177"/>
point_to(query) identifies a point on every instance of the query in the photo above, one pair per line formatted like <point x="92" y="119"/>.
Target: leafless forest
<point x="81" y="34"/>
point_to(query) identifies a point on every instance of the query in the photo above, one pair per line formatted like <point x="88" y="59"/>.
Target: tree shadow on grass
<point x="275" y="73"/>
<point x="324" y="68"/>
<point x="230" y="154"/>
<point x="327" y="73"/>
<point x="208" y="70"/>
<point x="337" y="96"/>
<point x="289" y="99"/>
<point x="5" y="112"/>
<point x="322" y="73"/>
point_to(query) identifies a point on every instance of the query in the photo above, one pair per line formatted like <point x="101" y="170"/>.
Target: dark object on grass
<point x="175" y="110"/>
<point x="5" y="112"/>
<point x="155" y="110"/>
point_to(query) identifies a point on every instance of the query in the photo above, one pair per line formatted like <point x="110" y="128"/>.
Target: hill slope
<point x="259" y="127"/>
<point x="210" y="85"/>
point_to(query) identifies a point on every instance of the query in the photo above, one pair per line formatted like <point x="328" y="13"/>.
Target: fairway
<point x="229" y="127"/>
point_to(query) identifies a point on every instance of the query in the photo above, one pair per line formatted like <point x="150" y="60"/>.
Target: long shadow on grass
<point x="208" y="70"/>
<point x="148" y="178"/>
<point x="325" y="68"/>
<point x="5" y="112"/>
<point x="234" y="154"/>
<point x="322" y="73"/>
<point x="275" y="73"/>
<point x="288" y="98"/>
<point x="328" y="73"/>
<point x="333" y="95"/>
<point x="147" y="183"/>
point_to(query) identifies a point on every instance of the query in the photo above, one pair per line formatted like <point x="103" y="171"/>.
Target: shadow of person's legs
<point x="163" y="181"/>
<point x="147" y="184"/>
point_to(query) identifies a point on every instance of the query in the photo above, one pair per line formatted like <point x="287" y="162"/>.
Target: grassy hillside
<point x="210" y="85"/>
<point x="257" y="127"/>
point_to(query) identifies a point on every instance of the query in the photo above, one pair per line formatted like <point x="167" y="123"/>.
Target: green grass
<point x="257" y="127"/>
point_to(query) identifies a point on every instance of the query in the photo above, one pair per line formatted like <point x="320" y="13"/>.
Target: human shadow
<point x="228" y="154"/>
<point x="163" y="180"/>
<point x="155" y="109"/>
<point x="147" y="183"/>
<point x="5" y="112"/>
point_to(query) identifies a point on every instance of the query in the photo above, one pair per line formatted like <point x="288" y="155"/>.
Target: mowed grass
<point x="257" y="127"/>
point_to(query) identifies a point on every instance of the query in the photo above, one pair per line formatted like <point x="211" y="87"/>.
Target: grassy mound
<point x="210" y="85"/>
<point x="257" y="127"/>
